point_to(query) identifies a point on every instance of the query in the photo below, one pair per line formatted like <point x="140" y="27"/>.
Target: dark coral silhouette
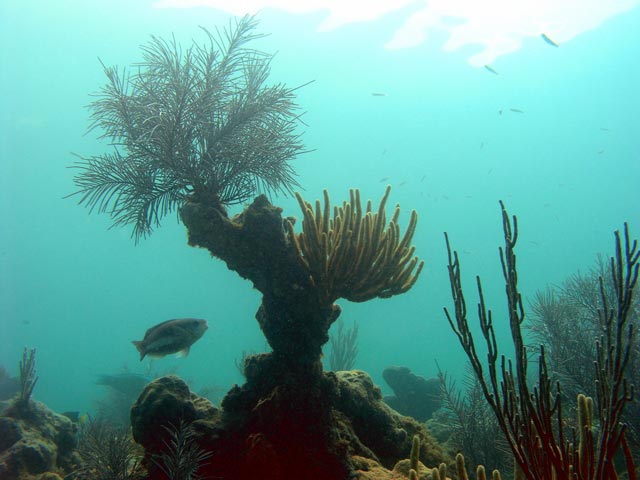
<point x="413" y="395"/>
<point x="220" y="137"/>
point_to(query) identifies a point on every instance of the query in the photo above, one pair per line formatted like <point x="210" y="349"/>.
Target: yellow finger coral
<point x="355" y="254"/>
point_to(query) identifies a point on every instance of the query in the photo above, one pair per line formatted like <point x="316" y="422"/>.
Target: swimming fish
<point x="488" y="67"/>
<point x="172" y="336"/>
<point x="76" y="417"/>
<point x="548" y="40"/>
<point x="378" y="94"/>
<point x="516" y="110"/>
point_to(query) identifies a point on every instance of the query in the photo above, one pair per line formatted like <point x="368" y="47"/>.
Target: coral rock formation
<point x="164" y="402"/>
<point x="34" y="440"/>
<point x="227" y="137"/>
<point x="415" y="396"/>
<point x="254" y="440"/>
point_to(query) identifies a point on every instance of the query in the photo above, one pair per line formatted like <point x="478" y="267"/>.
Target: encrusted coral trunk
<point x="255" y="245"/>
<point x="280" y="420"/>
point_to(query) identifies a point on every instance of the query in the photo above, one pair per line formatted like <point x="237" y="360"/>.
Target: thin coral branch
<point x="183" y="456"/>
<point x="344" y="348"/>
<point x="108" y="452"/>
<point x="531" y="420"/>
<point x="613" y="390"/>
<point x="28" y="378"/>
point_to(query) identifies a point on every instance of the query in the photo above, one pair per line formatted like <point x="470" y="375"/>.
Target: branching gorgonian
<point x="197" y="122"/>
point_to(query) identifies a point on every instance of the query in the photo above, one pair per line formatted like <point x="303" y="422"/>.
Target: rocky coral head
<point x="40" y="442"/>
<point x="164" y="402"/>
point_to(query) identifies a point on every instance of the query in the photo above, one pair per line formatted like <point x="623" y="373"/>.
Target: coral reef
<point x="414" y="395"/>
<point x="34" y="441"/>
<point x="240" y="447"/>
<point x="163" y="402"/>
<point x="295" y="318"/>
<point x="385" y="433"/>
<point x="531" y="419"/>
<point x="198" y="131"/>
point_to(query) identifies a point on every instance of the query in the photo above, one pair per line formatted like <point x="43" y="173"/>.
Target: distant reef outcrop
<point x="415" y="396"/>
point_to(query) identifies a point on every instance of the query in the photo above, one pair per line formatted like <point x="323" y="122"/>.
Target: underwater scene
<point x="319" y="239"/>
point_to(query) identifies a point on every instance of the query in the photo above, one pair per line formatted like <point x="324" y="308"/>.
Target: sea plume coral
<point x="183" y="456"/>
<point x="108" y="452"/>
<point x="197" y="121"/>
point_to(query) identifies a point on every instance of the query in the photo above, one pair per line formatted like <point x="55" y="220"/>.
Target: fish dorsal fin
<point x="159" y="326"/>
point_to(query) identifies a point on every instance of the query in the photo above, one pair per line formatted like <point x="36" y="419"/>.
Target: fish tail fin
<point x="140" y="348"/>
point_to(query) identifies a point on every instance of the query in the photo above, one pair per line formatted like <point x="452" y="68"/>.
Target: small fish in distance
<point x="490" y="69"/>
<point x="546" y="38"/>
<point x="76" y="417"/>
<point x="172" y="336"/>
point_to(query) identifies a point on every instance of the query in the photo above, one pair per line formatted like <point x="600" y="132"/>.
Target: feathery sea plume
<point x="183" y="456"/>
<point x="190" y="122"/>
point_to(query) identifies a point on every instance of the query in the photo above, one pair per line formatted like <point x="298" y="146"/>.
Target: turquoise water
<point x="79" y="292"/>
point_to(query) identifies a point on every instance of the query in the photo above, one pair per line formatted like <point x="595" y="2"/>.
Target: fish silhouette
<point x="172" y="336"/>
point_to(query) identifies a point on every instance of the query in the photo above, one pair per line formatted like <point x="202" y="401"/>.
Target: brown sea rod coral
<point x="531" y="419"/>
<point x="565" y="319"/>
